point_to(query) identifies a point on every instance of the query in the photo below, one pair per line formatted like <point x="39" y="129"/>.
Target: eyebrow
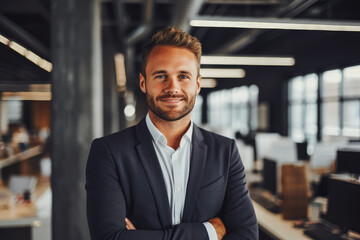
<point x="158" y="72"/>
<point x="186" y="72"/>
<point x="164" y="71"/>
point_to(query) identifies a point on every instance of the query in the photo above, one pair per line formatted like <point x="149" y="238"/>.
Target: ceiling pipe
<point x="120" y="21"/>
<point x="145" y="28"/>
<point x="128" y="42"/>
<point x="25" y="37"/>
<point x="184" y="11"/>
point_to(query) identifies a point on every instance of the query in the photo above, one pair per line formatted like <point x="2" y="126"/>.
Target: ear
<point x="142" y="83"/>
<point x="198" y="85"/>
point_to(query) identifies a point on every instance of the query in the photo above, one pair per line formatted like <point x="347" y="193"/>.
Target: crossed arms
<point x="107" y="205"/>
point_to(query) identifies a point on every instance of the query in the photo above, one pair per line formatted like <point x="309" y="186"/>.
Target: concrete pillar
<point x="76" y="110"/>
<point x="111" y="96"/>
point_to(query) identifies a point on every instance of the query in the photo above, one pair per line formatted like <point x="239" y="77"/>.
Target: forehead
<point x="171" y="58"/>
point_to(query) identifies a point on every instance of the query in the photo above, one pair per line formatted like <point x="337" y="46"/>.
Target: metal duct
<point x="184" y="11"/>
<point x="144" y="29"/>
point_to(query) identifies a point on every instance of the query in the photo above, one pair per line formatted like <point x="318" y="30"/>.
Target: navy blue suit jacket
<point x="124" y="179"/>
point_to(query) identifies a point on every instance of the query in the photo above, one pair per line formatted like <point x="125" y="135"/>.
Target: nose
<point x="172" y="85"/>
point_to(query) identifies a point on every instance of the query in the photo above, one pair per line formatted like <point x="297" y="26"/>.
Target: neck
<point x="172" y="130"/>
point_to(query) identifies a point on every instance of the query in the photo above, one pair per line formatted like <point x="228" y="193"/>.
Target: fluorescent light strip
<point x="35" y="96"/>
<point x="120" y="70"/>
<point x="46" y="65"/>
<point x="17" y="48"/>
<point x="33" y="57"/>
<point x="208" y="83"/>
<point x="258" y="61"/>
<point x="286" y="24"/>
<point x="222" y="73"/>
<point x="4" y="40"/>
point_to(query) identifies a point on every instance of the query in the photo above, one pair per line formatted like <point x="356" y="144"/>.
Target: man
<point x="166" y="178"/>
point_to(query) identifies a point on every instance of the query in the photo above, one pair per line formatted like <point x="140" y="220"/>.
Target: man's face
<point x="172" y="82"/>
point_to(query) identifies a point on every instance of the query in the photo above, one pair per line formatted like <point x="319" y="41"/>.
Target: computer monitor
<point x="301" y="148"/>
<point x="348" y="161"/>
<point x="270" y="175"/>
<point x="343" y="204"/>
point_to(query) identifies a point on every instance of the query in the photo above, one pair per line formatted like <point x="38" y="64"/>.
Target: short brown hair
<point x="171" y="36"/>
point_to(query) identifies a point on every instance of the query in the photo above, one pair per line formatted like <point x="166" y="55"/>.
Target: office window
<point x="352" y="81"/>
<point x="311" y="122"/>
<point x="339" y="105"/>
<point x="311" y="87"/>
<point x="240" y="110"/>
<point x="330" y="108"/>
<point x="235" y="108"/>
<point x="351" y="122"/>
<point x="196" y="113"/>
<point x="303" y="108"/>
<point x="296" y="116"/>
<point x="253" y="100"/>
<point x="330" y="114"/>
<point x="331" y="81"/>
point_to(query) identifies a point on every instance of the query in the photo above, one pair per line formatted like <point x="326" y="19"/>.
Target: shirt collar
<point x="158" y="136"/>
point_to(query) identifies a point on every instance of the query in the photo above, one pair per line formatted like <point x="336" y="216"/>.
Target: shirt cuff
<point x="210" y="230"/>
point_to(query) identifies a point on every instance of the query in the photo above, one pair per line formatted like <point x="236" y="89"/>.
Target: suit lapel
<point x="197" y="167"/>
<point x="153" y="172"/>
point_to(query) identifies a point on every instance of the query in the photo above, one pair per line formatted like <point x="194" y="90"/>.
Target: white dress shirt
<point x="175" y="166"/>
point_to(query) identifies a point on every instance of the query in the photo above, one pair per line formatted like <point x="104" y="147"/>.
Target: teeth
<point x="176" y="100"/>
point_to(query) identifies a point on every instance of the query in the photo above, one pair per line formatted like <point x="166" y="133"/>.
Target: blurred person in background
<point x="21" y="138"/>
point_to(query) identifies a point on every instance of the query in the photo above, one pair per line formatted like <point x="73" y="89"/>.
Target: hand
<point x="129" y="225"/>
<point x="219" y="227"/>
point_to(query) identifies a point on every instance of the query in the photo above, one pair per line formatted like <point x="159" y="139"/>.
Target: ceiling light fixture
<point x="208" y="83"/>
<point x="4" y="40"/>
<point x="120" y="71"/>
<point x="221" y="73"/>
<point x="271" y="23"/>
<point x="46" y="65"/>
<point x="244" y="60"/>
<point x="31" y="96"/>
<point x="17" y="48"/>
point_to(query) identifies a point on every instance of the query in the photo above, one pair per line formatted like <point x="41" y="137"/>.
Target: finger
<point x="129" y="225"/>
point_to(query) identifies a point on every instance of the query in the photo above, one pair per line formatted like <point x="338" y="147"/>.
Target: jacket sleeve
<point x="238" y="212"/>
<point x="106" y="207"/>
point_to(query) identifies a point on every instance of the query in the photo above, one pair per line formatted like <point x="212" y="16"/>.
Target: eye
<point x="184" y="77"/>
<point x="160" y="76"/>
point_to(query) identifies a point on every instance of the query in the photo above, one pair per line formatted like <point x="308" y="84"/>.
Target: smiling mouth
<point x="171" y="100"/>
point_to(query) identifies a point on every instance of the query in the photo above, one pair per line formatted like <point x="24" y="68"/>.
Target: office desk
<point x="35" y="217"/>
<point x="19" y="157"/>
<point x="275" y="226"/>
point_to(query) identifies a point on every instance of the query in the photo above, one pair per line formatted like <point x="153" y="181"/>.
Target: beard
<point x="170" y="115"/>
